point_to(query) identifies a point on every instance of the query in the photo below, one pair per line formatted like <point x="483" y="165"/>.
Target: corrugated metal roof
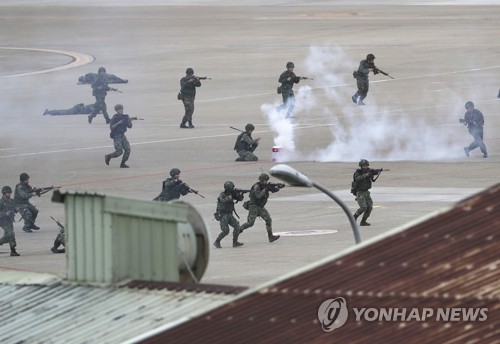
<point x="450" y="259"/>
<point x="63" y="312"/>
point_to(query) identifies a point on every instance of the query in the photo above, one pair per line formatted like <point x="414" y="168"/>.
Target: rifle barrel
<point x="236" y="129"/>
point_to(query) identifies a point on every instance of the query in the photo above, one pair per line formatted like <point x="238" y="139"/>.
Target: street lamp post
<point x="295" y="178"/>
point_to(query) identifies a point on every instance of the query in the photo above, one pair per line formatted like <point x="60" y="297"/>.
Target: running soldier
<point x="363" y="179"/>
<point x="7" y="212"/>
<point x="259" y="193"/>
<point x="100" y="89"/>
<point x="361" y="76"/>
<point x="245" y="145"/>
<point x="474" y="121"/>
<point x="224" y="213"/>
<point x="119" y="125"/>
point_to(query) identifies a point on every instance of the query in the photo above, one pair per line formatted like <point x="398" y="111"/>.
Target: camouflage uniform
<point x="225" y="210"/>
<point x="362" y="81"/>
<point x="172" y="189"/>
<point x="188" y="93"/>
<point x="78" y="109"/>
<point x="259" y="194"/>
<point x="474" y="120"/>
<point x="119" y="139"/>
<point x="100" y="89"/>
<point x="364" y="183"/>
<point x="28" y="211"/>
<point x="245" y="145"/>
<point x="7" y="212"/>
<point x="110" y="78"/>
<point x="60" y="240"/>
<point x="287" y="80"/>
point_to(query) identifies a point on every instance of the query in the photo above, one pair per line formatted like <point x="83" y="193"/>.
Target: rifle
<point x="275" y="187"/>
<point x="238" y="194"/>
<point x="41" y="191"/>
<point x="305" y="78"/>
<point x="241" y="131"/>
<point x="377" y="70"/>
<point x="136" y="119"/>
<point x="377" y="171"/>
<point x="61" y="227"/>
<point x="115" y="90"/>
<point x="192" y="190"/>
<point x="203" y="78"/>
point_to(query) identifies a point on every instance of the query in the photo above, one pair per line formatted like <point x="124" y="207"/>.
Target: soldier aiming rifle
<point x="174" y="188"/>
<point x="362" y="182"/>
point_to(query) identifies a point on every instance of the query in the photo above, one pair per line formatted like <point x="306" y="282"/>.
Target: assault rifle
<point x="242" y="131"/>
<point x="238" y="194"/>
<point x="275" y="187"/>
<point x="203" y="78"/>
<point x="305" y="78"/>
<point x="61" y="227"/>
<point x="376" y="171"/>
<point x="378" y="70"/>
<point x="136" y="118"/>
<point x="41" y="191"/>
<point x="115" y="90"/>
<point x="186" y="187"/>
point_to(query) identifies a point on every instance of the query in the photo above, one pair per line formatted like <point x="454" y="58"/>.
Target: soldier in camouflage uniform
<point x="188" y="93"/>
<point x="100" y="89"/>
<point x="287" y="80"/>
<point x="361" y="76"/>
<point x="364" y="178"/>
<point x="22" y="197"/>
<point x="474" y="121"/>
<point x="78" y="109"/>
<point x="173" y="187"/>
<point x="224" y="213"/>
<point x="245" y="145"/>
<point x="7" y="212"/>
<point x="259" y="194"/>
<point x="119" y="125"/>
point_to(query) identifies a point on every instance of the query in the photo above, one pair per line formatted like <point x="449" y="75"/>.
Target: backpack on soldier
<point x="354" y="185"/>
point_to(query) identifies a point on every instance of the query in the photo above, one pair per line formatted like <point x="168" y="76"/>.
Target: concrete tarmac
<point x="440" y="56"/>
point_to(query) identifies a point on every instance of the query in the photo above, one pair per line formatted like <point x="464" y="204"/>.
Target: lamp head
<point x="290" y="175"/>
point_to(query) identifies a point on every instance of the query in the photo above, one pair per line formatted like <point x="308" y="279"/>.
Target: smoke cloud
<point x="371" y="132"/>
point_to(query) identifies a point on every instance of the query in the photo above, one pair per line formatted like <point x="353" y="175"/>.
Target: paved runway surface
<point x="440" y="56"/>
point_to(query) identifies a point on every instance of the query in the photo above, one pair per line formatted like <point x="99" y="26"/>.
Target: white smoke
<point x="370" y="132"/>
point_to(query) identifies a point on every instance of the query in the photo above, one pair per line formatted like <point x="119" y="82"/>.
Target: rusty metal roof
<point x="450" y="259"/>
<point x="41" y="308"/>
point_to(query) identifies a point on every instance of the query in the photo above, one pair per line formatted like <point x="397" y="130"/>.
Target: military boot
<point x="271" y="236"/>
<point x="218" y="240"/>
<point x="27" y="229"/>
<point x="13" y="253"/>
<point x="237" y="244"/>
<point x="191" y="126"/>
<point x="364" y="223"/>
<point x="183" y="125"/>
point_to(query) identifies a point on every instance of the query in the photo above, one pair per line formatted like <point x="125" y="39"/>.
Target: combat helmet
<point x="290" y="65"/>
<point x="189" y="71"/>
<point x="118" y="107"/>
<point x="370" y="57"/>
<point x="101" y="69"/>
<point x="24" y="176"/>
<point x="363" y="162"/>
<point x="228" y="186"/>
<point x="469" y="104"/>
<point x="249" y="127"/>
<point x="6" y="189"/>
<point x="174" y="172"/>
<point x="263" y="177"/>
